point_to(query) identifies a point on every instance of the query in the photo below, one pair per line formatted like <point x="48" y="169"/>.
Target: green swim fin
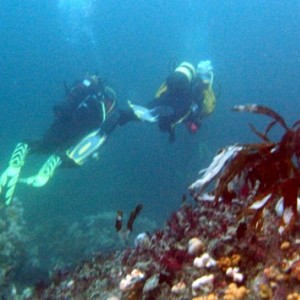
<point x="9" y="178"/>
<point x="86" y="147"/>
<point x="44" y="174"/>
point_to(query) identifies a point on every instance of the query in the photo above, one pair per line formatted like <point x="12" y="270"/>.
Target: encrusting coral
<point x="233" y="292"/>
<point x="12" y="243"/>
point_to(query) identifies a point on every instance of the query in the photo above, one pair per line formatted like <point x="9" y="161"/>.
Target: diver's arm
<point x="127" y="116"/>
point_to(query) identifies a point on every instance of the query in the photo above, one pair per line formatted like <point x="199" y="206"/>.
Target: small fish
<point x="119" y="220"/>
<point x="183" y="199"/>
<point x="124" y="234"/>
<point x="133" y="216"/>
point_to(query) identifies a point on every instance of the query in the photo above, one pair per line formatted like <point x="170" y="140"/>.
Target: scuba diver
<point x="82" y="123"/>
<point x="89" y="113"/>
<point x="186" y="96"/>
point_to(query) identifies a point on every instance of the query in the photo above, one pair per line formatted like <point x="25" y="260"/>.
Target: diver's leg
<point x="53" y="138"/>
<point x="74" y="156"/>
<point x="57" y="136"/>
<point x="9" y="178"/>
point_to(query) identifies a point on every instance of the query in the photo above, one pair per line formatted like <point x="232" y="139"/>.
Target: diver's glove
<point x="205" y="70"/>
<point x="87" y="147"/>
<point x="143" y="113"/>
<point x="9" y="178"/>
<point x="44" y="174"/>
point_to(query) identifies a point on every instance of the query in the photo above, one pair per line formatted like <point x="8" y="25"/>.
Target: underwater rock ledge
<point x="248" y="265"/>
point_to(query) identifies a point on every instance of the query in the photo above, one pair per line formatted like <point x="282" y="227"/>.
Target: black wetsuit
<point x="181" y="102"/>
<point x="85" y="106"/>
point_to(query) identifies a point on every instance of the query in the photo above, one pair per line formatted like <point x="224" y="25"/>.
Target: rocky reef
<point x="13" y="237"/>
<point x="239" y="241"/>
<point x="203" y="252"/>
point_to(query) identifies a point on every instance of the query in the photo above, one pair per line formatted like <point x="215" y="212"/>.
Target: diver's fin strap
<point x="86" y="147"/>
<point x="45" y="173"/>
<point x="9" y="178"/>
